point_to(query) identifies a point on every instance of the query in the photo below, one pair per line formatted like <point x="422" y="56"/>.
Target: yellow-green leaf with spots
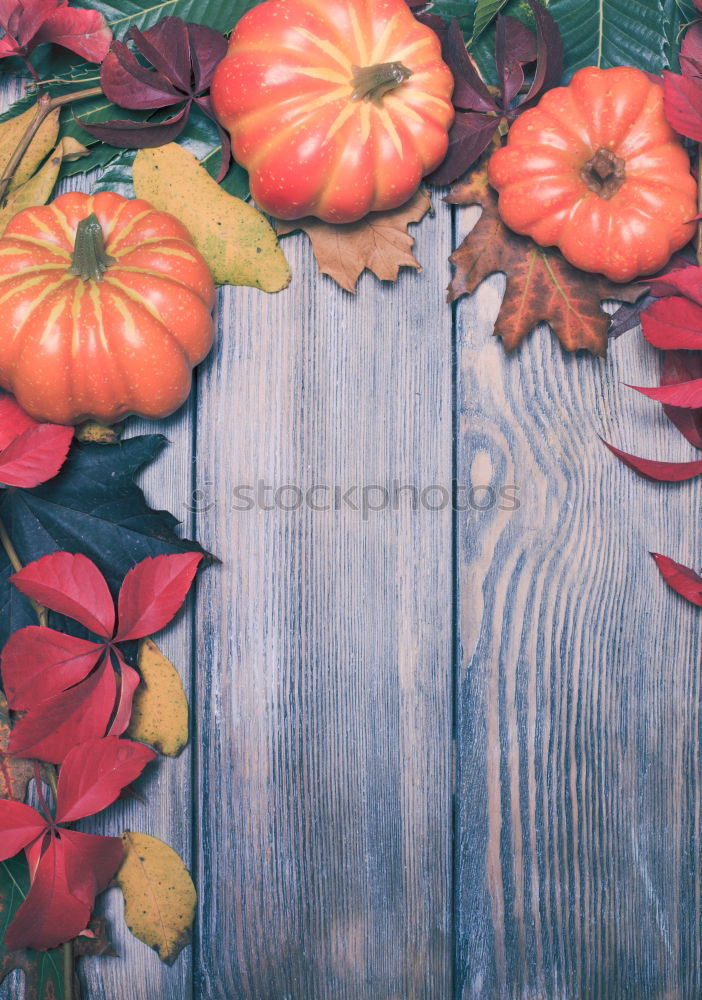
<point x="12" y="131"/>
<point x="37" y="190"/>
<point x="160" y="708"/>
<point x="235" y="239"/>
<point x="159" y="895"/>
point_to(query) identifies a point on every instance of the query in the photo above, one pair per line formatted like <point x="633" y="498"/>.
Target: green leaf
<point x="43" y="970"/>
<point x="118" y="174"/>
<point x="485" y="12"/>
<point x="678" y="14"/>
<point x="608" y="33"/>
<point x="122" y="14"/>
<point x="93" y="506"/>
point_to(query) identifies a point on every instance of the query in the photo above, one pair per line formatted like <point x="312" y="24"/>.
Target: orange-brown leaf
<point x="379" y="243"/>
<point x="541" y="285"/>
<point x="15" y="773"/>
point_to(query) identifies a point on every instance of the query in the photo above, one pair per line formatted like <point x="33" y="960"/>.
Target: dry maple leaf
<point x="379" y="243"/>
<point x="541" y="285"/>
<point x="15" y="772"/>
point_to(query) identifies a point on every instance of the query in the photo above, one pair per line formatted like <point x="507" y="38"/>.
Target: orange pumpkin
<point x="105" y="307"/>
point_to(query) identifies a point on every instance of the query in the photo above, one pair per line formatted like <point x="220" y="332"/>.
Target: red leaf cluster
<point x="72" y="689"/>
<point x="479" y="111"/>
<point x="30" y="453"/>
<point x="683" y="91"/>
<point x="67" y="868"/>
<point x="32" y="22"/>
<point x="183" y="56"/>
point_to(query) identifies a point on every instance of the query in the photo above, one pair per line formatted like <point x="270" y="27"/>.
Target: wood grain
<point x="324" y="643"/>
<point x="578" y="775"/>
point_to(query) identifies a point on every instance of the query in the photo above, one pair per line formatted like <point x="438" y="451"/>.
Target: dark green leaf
<point x="118" y="174"/>
<point x="15" y="609"/>
<point x="94" y="507"/>
<point x="485" y="12"/>
<point x="43" y="970"/>
<point x="678" y="14"/>
<point x="122" y="14"/>
<point x="608" y="33"/>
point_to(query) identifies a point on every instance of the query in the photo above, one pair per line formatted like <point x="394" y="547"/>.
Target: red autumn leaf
<point x="30" y="453"/>
<point x="73" y="586"/>
<point x="683" y="92"/>
<point x="673" y="323"/>
<point x="684" y="581"/>
<point x="53" y="726"/>
<point x="68" y="869"/>
<point x="685" y="281"/>
<point x="660" y="472"/>
<point x="72" y="689"/>
<point x="683" y="394"/>
<point x="29" y="23"/>
<point x="94" y="773"/>
<point x="40" y="663"/>
<point x="152" y="592"/>
<point x="183" y="56"/>
<point x="683" y="366"/>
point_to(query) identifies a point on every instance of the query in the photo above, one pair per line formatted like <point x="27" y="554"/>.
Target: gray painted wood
<point x="324" y="643"/>
<point x="578" y="775"/>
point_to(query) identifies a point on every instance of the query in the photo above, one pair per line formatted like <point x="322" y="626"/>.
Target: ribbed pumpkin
<point x="336" y="108"/>
<point x="105" y="307"/>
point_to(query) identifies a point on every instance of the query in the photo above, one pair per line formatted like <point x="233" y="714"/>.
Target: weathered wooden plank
<point x="139" y="973"/>
<point x="324" y="642"/>
<point x="578" y="782"/>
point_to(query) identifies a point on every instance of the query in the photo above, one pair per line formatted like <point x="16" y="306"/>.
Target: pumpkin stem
<point x="604" y="173"/>
<point x="372" y="83"/>
<point x="90" y="261"/>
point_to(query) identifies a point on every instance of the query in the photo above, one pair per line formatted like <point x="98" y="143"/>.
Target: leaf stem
<point x="11" y="552"/>
<point x="45" y="105"/>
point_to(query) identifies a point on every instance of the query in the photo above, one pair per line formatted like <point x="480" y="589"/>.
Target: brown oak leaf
<point x="15" y="772"/>
<point x="541" y="285"/>
<point x="379" y="243"/>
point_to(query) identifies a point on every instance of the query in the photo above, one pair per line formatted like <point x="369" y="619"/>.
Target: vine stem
<point x="45" y="105"/>
<point x="11" y="552"/>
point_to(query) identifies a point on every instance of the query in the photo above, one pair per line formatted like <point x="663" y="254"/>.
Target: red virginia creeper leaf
<point x="684" y="581"/>
<point x="19" y="826"/>
<point x="72" y="870"/>
<point x="128" y="683"/>
<point x="469" y="136"/>
<point x="659" y="472"/>
<point x="685" y="281"/>
<point x="183" y="57"/>
<point x="84" y="32"/>
<point x="683" y="366"/>
<point x="673" y="323"/>
<point x="73" y="586"/>
<point x="34" y="22"/>
<point x="95" y="772"/>
<point x="40" y="663"/>
<point x="685" y="394"/>
<point x="470" y="93"/>
<point x="152" y="592"/>
<point x="58" y="724"/>
<point x="683" y="104"/>
<point x="30" y="453"/>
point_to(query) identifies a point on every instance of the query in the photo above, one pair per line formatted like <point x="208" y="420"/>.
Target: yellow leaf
<point x="159" y="895"/>
<point x="37" y="190"/>
<point x="237" y="242"/>
<point x="12" y="131"/>
<point x="160" y="708"/>
<point x="95" y="432"/>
